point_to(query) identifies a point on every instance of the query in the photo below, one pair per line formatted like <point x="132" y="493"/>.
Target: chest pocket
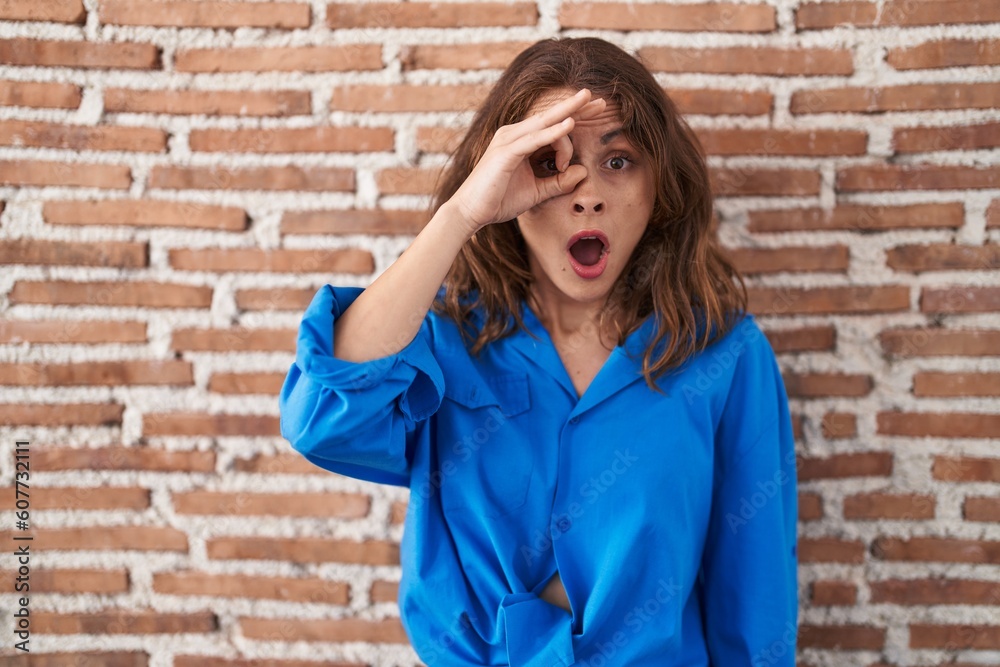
<point x="484" y="457"/>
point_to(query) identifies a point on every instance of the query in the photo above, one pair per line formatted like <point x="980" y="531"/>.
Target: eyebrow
<point x="606" y="139"/>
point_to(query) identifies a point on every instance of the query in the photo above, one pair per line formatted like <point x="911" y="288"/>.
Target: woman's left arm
<point x="749" y="564"/>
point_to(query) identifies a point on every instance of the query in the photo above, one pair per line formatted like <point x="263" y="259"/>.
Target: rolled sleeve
<point x="538" y="634"/>
<point x="355" y="418"/>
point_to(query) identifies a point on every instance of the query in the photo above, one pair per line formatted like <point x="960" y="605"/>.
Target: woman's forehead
<point x="611" y="116"/>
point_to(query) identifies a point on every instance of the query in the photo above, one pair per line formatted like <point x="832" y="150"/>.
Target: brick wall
<point x="177" y="178"/>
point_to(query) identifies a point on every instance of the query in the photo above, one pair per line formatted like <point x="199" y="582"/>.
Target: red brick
<point x="205" y="14"/>
<point x="834" y="593"/>
<point x="304" y="550"/>
<point x="397" y="512"/>
<point x="324" y="504"/>
<point x="937" y="341"/>
<point x="476" y="55"/>
<point x="939" y="424"/>
<point x="916" y="177"/>
<point x="936" y="549"/>
<point x="121" y="254"/>
<point x="292" y="178"/>
<point x="982" y="509"/>
<point x="238" y="338"/>
<point x="967" y="137"/>
<point x="78" y="54"/>
<point x="38" y="94"/>
<point x="294" y="140"/>
<point x="246" y="383"/>
<point x="145" y="213"/>
<point x="354" y="221"/>
<point x="274" y="299"/>
<point x="966" y="469"/>
<point x="389" y="630"/>
<point x="407" y="180"/>
<point x="858" y="217"/>
<point x="199" y="423"/>
<point x="709" y="102"/>
<point x="291" y="589"/>
<point x="912" y="97"/>
<point x="60" y="11"/>
<point x="133" y="498"/>
<point x="816" y="15"/>
<point x="840" y="466"/>
<point x="946" y="53"/>
<point x="69" y="581"/>
<point x="993" y="214"/>
<point x="119" y="622"/>
<point x="810" y="506"/>
<point x="346" y="58"/>
<point x="97" y="373"/>
<point x="335" y="260"/>
<point x="821" y="385"/>
<point x="60" y="414"/>
<point x="36" y="134"/>
<point x="836" y="425"/>
<point x="933" y="383"/>
<point x="889" y="506"/>
<point x="918" y="258"/>
<point x="371" y="98"/>
<point x="857" y="299"/>
<point x="75" y="174"/>
<point x="753" y="181"/>
<point x="830" y="550"/>
<point x="952" y="637"/>
<point x="783" y="142"/>
<point x="934" y="591"/>
<point x="123" y="458"/>
<point x="960" y="299"/>
<point x="146" y="294"/>
<point x="833" y="259"/>
<point x="280" y="464"/>
<point x="702" y="17"/>
<point x="110" y="538"/>
<point x="430" y="14"/>
<point x="765" y="60"/>
<point x="439" y="139"/>
<point x="802" y="339"/>
<point x="78" y="332"/>
<point x="384" y="591"/>
<point x="844" y="637"/>
<point x="208" y="102"/>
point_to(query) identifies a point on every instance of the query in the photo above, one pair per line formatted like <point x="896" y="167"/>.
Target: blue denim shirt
<point x="671" y="518"/>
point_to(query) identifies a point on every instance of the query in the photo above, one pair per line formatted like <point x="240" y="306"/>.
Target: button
<point x="574" y="420"/>
<point x="563" y="524"/>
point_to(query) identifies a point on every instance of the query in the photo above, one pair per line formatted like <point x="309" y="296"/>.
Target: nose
<point x="586" y="198"/>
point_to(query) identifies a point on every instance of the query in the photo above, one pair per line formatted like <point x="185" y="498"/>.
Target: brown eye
<point x="617" y="163"/>
<point x="549" y="164"/>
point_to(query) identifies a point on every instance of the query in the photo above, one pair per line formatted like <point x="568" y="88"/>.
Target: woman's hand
<point x="503" y="184"/>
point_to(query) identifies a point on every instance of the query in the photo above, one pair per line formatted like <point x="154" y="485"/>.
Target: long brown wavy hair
<point x="677" y="271"/>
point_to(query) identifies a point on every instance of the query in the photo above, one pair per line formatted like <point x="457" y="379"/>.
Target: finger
<point x="556" y="113"/>
<point x="561" y="183"/>
<point x="548" y="136"/>
<point x="591" y="109"/>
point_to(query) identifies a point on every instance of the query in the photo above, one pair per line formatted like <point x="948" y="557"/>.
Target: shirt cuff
<point x="539" y="634"/>
<point x="314" y="355"/>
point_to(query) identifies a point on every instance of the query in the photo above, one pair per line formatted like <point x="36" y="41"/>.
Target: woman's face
<point x="613" y="202"/>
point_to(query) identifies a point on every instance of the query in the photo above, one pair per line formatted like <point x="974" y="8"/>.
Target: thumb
<point x="564" y="182"/>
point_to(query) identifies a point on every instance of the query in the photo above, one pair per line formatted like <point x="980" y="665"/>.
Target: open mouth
<point x="588" y="251"/>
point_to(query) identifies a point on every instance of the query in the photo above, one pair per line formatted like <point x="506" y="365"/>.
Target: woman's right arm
<point x="364" y="374"/>
<point x="502" y="186"/>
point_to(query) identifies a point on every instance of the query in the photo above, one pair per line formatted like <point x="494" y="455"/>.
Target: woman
<point x="561" y="511"/>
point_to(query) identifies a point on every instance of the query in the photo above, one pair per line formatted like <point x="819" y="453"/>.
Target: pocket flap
<point x="507" y="391"/>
